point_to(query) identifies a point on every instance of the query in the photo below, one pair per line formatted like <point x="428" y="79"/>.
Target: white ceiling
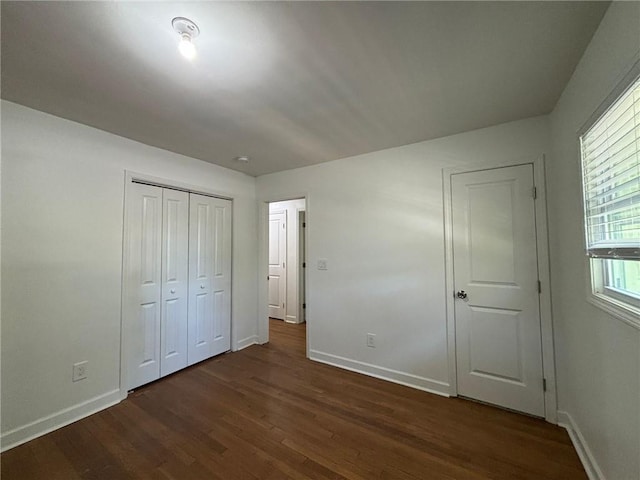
<point x="292" y="84"/>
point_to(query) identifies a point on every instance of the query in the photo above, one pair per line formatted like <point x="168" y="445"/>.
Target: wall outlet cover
<point x="79" y="371"/>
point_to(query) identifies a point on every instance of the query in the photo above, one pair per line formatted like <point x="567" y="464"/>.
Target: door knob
<point x="202" y="286"/>
<point x="173" y="290"/>
<point x="461" y="294"/>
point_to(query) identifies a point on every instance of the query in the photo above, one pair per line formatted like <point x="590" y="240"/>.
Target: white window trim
<point x="623" y="296"/>
<point x="613" y="305"/>
<point x="618" y="309"/>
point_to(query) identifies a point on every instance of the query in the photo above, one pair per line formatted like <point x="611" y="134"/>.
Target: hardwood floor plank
<point x="50" y="461"/>
<point x="20" y="462"/>
<point x="131" y="459"/>
<point x="86" y="455"/>
<point x="269" y="413"/>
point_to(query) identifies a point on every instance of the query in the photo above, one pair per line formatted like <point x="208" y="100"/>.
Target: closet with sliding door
<point x="177" y="285"/>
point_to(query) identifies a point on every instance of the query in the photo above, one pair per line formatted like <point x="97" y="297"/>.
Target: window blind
<point x="611" y="180"/>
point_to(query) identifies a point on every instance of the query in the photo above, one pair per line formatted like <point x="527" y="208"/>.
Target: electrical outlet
<point x="371" y="340"/>
<point x="79" y="371"/>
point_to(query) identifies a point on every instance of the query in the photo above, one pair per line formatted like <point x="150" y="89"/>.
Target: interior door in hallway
<point x="209" y="324"/>
<point x="497" y="314"/>
<point x="277" y="272"/>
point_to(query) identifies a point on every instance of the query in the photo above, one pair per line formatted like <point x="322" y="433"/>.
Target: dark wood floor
<point x="269" y="413"/>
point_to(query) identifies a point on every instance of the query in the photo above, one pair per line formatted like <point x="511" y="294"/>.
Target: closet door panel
<point x="175" y="281"/>
<point x="222" y="277"/>
<point x="209" y="277"/>
<point x="200" y="272"/>
<point x="144" y="279"/>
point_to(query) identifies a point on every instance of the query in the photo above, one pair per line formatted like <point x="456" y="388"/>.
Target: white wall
<point x="62" y="223"/>
<point x="378" y="220"/>
<point x="598" y="356"/>
<point x="292" y="303"/>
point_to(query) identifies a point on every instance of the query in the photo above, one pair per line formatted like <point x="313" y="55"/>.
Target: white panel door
<point x="142" y="335"/>
<point x="209" y="277"/>
<point x="175" y="281"/>
<point x="498" y="339"/>
<point x="277" y="271"/>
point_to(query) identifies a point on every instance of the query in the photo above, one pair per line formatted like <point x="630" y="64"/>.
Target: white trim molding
<point x="57" y="420"/>
<point x="246" y="342"/>
<point x="618" y="310"/>
<point x="566" y="421"/>
<point x="407" y="379"/>
<point x="263" y="268"/>
<point x="544" y="275"/>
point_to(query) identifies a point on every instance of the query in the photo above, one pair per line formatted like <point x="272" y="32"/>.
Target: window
<point x="611" y="186"/>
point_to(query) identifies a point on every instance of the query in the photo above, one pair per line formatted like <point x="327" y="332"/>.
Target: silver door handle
<point x="202" y="286"/>
<point x="461" y="294"/>
<point x="173" y="290"/>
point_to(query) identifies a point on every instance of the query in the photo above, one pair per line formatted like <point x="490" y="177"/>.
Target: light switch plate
<point x="371" y="340"/>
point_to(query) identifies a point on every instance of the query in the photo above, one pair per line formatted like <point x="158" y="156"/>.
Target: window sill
<point x="619" y="310"/>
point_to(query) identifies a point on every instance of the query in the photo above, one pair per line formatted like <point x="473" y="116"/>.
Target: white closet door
<point x="175" y="281"/>
<point x="142" y="335"/>
<point x="209" y="277"/>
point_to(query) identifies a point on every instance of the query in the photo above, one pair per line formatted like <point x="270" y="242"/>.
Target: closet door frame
<point x="128" y="303"/>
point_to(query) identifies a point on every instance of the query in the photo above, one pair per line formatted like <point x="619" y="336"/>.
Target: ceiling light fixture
<point x="243" y="159"/>
<point x="187" y="30"/>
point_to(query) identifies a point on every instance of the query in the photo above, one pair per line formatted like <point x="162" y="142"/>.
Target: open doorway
<point x="286" y="266"/>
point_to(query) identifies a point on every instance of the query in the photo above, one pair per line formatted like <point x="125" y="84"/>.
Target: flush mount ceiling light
<point x="187" y="31"/>
<point x="243" y="159"/>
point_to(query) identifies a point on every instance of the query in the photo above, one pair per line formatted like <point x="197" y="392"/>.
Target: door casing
<point x="548" y="355"/>
<point x="302" y="265"/>
<point x="263" y="265"/>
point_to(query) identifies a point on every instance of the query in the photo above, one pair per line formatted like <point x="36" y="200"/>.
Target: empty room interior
<point x="320" y="240"/>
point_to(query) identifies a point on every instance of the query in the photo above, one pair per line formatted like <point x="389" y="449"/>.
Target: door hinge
<point x="304" y="305"/>
<point x="304" y="264"/>
<point x="304" y="224"/>
<point x="282" y="264"/>
<point x="535" y="192"/>
<point x="539" y="286"/>
<point x="283" y="226"/>
<point x="544" y="384"/>
<point x="283" y="305"/>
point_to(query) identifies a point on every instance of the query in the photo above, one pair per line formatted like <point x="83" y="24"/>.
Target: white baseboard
<point x="52" y="422"/>
<point x="395" y="376"/>
<point x="565" y="420"/>
<point x="246" y="342"/>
